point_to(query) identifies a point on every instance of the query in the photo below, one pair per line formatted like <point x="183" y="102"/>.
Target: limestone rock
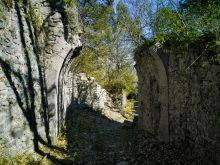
<point x="29" y="78"/>
<point x="83" y="91"/>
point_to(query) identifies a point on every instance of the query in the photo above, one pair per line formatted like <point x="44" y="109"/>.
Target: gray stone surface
<point x="153" y="89"/>
<point x="29" y="77"/>
<point x="82" y="91"/>
<point x="191" y="98"/>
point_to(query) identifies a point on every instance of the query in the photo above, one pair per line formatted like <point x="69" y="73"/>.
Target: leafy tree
<point x="179" y="19"/>
<point x="142" y="13"/>
<point x="107" y="54"/>
<point x="187" y="20"/>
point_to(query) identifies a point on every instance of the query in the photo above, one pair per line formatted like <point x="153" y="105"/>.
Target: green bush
<point x="69" y="3"/>
<point x="8" y="3"/>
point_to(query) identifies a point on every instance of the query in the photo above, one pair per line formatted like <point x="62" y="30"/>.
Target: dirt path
<point x="94" y="139"/>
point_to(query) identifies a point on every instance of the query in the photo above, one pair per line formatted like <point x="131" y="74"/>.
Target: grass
<point x="37" y="159"/>
<point x="88" y="134"/>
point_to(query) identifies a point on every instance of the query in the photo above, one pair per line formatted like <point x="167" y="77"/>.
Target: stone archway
<point x="153" y="91"/>
<point x="63" y="52"/>
<point x="163" y="130"/>
<point x="61" y="101"/>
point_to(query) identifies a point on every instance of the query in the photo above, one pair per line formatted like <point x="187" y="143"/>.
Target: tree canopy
<point x="107" y="53"/>
<point x="110" y="37"/>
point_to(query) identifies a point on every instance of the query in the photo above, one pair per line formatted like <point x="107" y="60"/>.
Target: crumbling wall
<point x="83" y="92"/>
<point x="193" y="97"/>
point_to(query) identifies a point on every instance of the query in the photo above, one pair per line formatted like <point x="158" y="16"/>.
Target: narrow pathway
<point x="94" y="139"/>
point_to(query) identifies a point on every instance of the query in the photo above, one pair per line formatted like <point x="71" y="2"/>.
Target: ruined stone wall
<point x="194" y="103"/>
<point x="83" y="92"/>
<point x="153" y="92"/>
<point x="31" y="60"/>
<point x="193" y="98"/>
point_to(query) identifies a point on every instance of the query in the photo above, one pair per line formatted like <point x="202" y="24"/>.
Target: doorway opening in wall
<point x="100" y="92"/>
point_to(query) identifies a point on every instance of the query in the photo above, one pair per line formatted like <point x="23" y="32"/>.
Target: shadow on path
<point x="94" y="139"/>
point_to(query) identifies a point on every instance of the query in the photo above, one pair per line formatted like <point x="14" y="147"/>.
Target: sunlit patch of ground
<point x="58" y="152"/>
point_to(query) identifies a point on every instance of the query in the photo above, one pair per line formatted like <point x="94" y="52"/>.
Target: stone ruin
<point x="180" y="102"/>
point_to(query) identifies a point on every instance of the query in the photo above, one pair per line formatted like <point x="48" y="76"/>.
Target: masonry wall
<point x="30" y="64"/>
<point x="193" y="98"/>
<point x="83" y="92"/>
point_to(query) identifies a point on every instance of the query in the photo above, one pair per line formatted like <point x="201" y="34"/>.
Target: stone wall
<point x="83" y="92"/>
<point x="31" y="61"/>
<point x="180" y="100"/>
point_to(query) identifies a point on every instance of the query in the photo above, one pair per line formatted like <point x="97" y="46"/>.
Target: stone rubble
<point x="83" y="90"/>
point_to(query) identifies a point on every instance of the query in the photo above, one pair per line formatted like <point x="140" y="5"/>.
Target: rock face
<point x="81" y="91"/>
<point x="178" y="103"/>
<point x="30" y="76"/>
<point x="38" y="42"/>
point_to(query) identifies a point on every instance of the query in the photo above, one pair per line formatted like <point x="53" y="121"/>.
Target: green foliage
<point x="70" y="3"/>
<point x="4" y="8"/>
<point x="190" y="23"/>
<point x="37" y="159"/>
<point x="72" y="16"/>
<point x="119" y="80"/>
<point x="3" y="159"/>
<point x="21" y="160"/>
<point x="186" y="23"/>
<point x="73" y="21"/>
<point x="8" y="3"/>
<point x="107" y="56"/>
<point x="129" y="110"/>
<point x="37" y="17"/>
<point x="179" y="21"/>
<point x="141" y="16"/>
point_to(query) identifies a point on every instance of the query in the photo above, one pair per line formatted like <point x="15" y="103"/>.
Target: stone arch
<point x="163" y="129"/>
<point x="153" y="91"/>
<point x="62" y="53"/>
<point x="61" y="101"/>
